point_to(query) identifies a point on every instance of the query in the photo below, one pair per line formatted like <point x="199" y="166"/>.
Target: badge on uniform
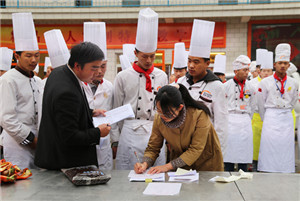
<point x="243" y="107"/>
<point x="206" y="96"/>
<point x="289" y="89"/>
<point x="105" y="95"/>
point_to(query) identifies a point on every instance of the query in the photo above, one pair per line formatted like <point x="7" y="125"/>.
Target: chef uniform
<point x="19" y="94"/>
<point x="220" y="65"/>
<point x="180" y="58"/>
<point x="100" y="96"/>
<point x="265" y="60"/>
<point x="241" y="105"/>
<point x="210" y="89"/>
<point x="276" y="99"/>
<point x="138" y="89"/>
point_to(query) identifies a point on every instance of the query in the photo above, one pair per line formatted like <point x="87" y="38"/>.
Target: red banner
<point x="119" y="34"/>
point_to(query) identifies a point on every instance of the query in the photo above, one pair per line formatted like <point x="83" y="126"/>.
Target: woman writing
<point x="186" y="126"/>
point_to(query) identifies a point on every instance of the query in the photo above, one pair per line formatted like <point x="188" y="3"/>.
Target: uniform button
<point x="36" y="113"/>
<point x="236" y="99"/>
<point x="152" y="88"/>
<point x="190" y="88"/>
<point x="139" y="108"/>
<point x="34" y="102"/>
<point x="149" y="110"/>
<point x="32" y="90"/>
<point x="140" y="75"/>
<point x="147" y="119"/>
<point x="235" y="91"/>
<point x="138" y="118"/>
<point x="152" y="77"/>
<point x="151" y="99"/>
<point x="140" y="98"/>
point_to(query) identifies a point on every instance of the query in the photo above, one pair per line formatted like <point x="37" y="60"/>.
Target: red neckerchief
<point x="242" y="84"/>
<point x="146" y="73"/>
<point x="281" y="81"/>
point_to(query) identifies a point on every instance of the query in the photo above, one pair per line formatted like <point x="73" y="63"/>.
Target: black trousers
<point x="229" y="167"/>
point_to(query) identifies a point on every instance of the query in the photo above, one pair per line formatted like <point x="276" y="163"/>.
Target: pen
<point x="137" y="156"/>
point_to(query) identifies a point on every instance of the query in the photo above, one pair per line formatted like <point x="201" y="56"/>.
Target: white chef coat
<point x="277" y="147"/>
<point x="254" y="82"/>
<point x="18" y="115"/>
<point x="239" y="148"/>
<point x="102" y="99"/>
<point x="130" y="88"/>
<point x="213" y="94"/>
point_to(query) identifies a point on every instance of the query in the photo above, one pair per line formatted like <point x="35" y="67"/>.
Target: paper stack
<point x="243" y="175"/>
<point x="145" y="176"/>
<point x="182" y="175"/>
<point x="162" y="189"/>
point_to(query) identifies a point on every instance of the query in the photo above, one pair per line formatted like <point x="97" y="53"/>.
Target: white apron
<point x="17" y="154"/>
<point x="104" y="153"/>
<point x="277" y="146"/>
<point x="134" y="137"/>
<point x="239" y="147"/>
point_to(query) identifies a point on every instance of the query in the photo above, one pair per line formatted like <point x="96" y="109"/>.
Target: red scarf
<point x="242" y="84"/>
<point x="281" y="81"/>
<point x="146" y="73"/>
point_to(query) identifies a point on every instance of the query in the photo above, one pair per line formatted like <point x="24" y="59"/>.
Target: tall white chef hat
<point x="180" y="56"/>
<point x="282" y="52"/>
<point x="5" y="58"/>
<point x="125" y="63"/>
<point x="128" y="50"/>
<point x="260" y="56"/>
<point x="24" y="32"/>
<point x="147" y="31"/>
<point x="201" y="40"/>
<point x="47" y="63"/>
<point x="95" y="32"/>
<point x="252" y="66"/>
<point x="292" y="69"/>
<point x="241" y="62"/>
<point x="220" y="64"/>
<point x="267" y="61"/>
<point x="57" y="48"/>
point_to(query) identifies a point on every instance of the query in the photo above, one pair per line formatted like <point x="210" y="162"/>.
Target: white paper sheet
<point x="243" y="175"/>
<point x="115" y="115"/>
<point x="162" y="189"/>
<point x="142" y="177"/>
<point x="185" y="179"/>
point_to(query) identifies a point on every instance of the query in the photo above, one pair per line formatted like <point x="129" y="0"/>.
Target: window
<point x="83" y="3"/>
<point x="131" y="3"/>
<point x="260" y="1"/>
<point x="229" y="2"/>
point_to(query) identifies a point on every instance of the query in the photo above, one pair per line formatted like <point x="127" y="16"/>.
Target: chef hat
<point x="282" y="52"/>
<point x="180" y="56"/>
<point x="37" y="68"/>
<point x="47" y="63"/>
<point x="220" y="64"/>
<point x="125" y="63"/>
<point x="201" y="40"/>
<point x="260" y="56"/>
<point x="24" y="32"/>
<point x="128" y="50"/>
<point x="5" y="58"/>
<point x="252" y="66"/>
<point x="57" y="48"/>
<point x="267" y="61"/>
<point x="241" y="62"/>
<point x="95" y="32"/>
<point x="292" y="69"/>
<point x="147" y="31"/>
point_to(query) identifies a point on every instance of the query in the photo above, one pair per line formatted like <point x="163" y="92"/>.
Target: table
<point x="53" y="185"/>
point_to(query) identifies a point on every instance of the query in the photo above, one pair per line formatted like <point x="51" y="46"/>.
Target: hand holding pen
<point x="139" y="167"/>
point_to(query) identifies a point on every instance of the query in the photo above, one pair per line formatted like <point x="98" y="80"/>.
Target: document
<point x="145" y="176"/>
<point x="115" y="115"/>
<point x="182" y="175"/>
<point x="162" y="189"/>
<point x="243" y="175"/>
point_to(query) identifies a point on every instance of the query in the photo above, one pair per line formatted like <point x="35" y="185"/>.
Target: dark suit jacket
<point x="67" y="137"/>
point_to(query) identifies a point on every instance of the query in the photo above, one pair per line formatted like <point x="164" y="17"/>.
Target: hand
<point x="98" y="112"/>
<point x="140" y="168"/>
<point x="104" y="129"/>
<point x="33" y="144"/>
<point x="114" y="151"/>
<point x="158" y="169"/>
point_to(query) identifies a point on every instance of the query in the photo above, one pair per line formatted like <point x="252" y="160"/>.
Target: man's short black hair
<point x="219" y="74"/>
<point x="85" y="52"/>
<point x="19" y="53"/>
<point x="206" y="59"/>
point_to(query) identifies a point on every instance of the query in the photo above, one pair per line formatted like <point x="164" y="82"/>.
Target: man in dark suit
<point x="67" y="137"/>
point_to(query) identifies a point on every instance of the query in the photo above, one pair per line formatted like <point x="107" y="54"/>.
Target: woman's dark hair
<point x="170" y="97"/>
<point x="85" y="52"/>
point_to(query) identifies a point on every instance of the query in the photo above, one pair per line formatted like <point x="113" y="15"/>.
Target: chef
<point x="241" y="105"/>
<point x="277" y="96"/>
<point x="220" y="67"/>
<point x="19" y="92"/>
<point x="180" y="61"/>
<point x="137" y="86"/>
<point x="99" y="93"/>
<point x="202" y="84"/>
